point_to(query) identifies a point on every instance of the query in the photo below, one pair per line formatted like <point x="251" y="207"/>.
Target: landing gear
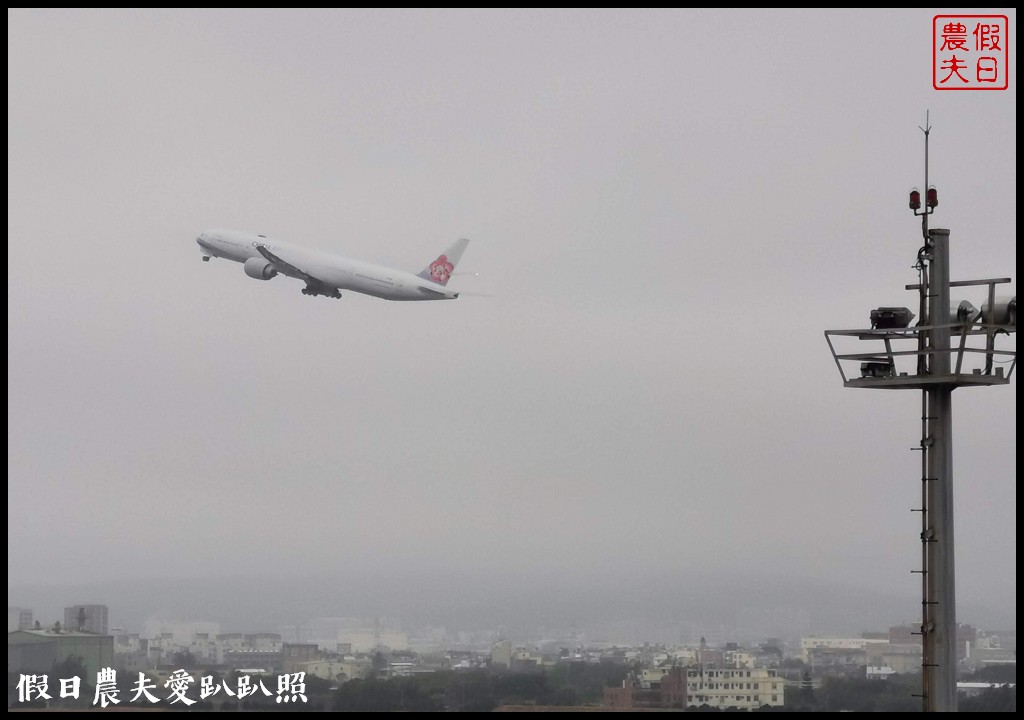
<point x="206" y="258"/>
<point x="313" y="293"/>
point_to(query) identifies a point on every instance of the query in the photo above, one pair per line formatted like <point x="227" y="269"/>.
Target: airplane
<point x="326" y="274"/>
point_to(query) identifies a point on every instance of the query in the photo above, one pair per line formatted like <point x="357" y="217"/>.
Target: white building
<point x="809" y="644"/>
<point x="740" y="688"/>
<point x="18" y="618"/>
<point x="339" y="671"/>
<point x="501" y="654"/>
<point x="367" y="640"/>
<point x="86" y="618"/>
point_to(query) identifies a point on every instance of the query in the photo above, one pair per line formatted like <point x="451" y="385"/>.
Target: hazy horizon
<point x="633" y="607"/>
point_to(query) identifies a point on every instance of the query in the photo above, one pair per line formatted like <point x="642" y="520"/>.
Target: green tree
<point x="184" y="659"/>
<point x="997" y="699"/>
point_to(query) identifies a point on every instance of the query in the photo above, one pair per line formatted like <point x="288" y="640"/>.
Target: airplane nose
<point x="204" y="246"/>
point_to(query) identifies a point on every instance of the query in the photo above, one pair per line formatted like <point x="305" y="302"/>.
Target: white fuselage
<point x="331" y="271"/>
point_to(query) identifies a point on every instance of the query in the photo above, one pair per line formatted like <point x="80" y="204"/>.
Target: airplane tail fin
<point x="441" y="269"/>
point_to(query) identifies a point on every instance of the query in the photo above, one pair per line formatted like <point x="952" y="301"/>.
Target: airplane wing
<point x="288" y="269"/>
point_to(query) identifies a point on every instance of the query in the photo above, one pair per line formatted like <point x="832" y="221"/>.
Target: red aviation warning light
<point x="915" y="199"/>
<point x="932" y="197"/>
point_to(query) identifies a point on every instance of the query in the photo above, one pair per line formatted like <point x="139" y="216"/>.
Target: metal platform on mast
<point x="887" y="366"/>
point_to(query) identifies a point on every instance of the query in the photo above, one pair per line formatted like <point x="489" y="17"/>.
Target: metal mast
<point x="938" y="601"/>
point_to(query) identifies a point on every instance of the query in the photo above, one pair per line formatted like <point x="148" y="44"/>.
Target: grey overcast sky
<point x="666" y="209"/>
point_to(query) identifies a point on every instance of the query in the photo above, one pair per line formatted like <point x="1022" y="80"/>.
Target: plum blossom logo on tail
<point x="441" y="270"/>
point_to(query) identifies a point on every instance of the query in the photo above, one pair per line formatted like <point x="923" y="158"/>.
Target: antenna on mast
<point x="923" y="255"/>
<point x="931" y="195"/>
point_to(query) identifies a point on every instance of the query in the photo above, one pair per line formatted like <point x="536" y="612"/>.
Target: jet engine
<point x="259" y="269"/>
